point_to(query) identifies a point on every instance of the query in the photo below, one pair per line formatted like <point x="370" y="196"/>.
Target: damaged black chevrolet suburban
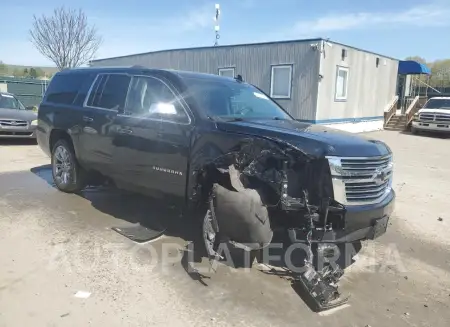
<point x="223" y="145"/>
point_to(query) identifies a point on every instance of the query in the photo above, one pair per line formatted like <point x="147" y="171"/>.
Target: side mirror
<point x="167" y="111"/>
<point x="162" y="108"/>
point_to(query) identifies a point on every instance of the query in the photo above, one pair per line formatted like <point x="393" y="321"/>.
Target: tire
<point x="414" y="131"/>
<point x="67" y="173"/>
<point x="210" y="234"/>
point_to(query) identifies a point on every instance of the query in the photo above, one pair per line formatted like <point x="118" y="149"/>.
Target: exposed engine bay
<point x="264" y="185"/>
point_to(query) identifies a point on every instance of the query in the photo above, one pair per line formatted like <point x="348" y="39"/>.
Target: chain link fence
<point x="29" y="91"/>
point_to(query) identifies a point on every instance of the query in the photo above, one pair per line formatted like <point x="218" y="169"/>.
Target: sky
<point x="390" y="27"/>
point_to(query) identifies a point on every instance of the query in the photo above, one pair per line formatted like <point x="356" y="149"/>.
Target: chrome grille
<point x="442" y="118"/>
<point x="361" y="180"/>
<point x="13" y="123"/>
<point x="437" y="117"/>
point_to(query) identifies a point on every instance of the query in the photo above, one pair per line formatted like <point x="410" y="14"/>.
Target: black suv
<point x="219" y="144"/>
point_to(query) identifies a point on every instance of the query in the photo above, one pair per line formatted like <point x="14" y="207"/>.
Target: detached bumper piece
<point x="321" y="288"/>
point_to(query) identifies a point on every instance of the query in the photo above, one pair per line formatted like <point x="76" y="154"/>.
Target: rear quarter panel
<point x="57" y="117"/>
<point x="64" y="117"/>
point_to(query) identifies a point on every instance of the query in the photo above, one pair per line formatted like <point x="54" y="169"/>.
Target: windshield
<point x="437" y="104"/>
<point x="9" y="102"/>
<point x="233" y="100"/>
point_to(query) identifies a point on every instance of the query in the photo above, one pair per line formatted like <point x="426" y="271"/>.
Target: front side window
<point x="151" y="98"/>
<point x="281" y="82"/>
<point x="232" y="99"/>
<point x="341" y="83"/>
<point x="109" y="91"/>
<point x="227" y="72"/>
<point x="8" y="101"/>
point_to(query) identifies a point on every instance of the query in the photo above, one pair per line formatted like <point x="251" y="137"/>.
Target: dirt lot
<point x="54" y="245"/>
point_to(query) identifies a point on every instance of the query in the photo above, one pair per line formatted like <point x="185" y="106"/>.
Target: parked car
<point x="15" y="120"/>
<point x="219" y="145"/>
<point x="433" y="117"/>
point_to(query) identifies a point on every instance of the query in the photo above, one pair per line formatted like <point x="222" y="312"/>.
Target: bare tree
<point x="65" y="37"/>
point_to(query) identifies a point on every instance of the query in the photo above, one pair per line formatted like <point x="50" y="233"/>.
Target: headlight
<point x="34" y="122"/>
<point x="416" y="116"/>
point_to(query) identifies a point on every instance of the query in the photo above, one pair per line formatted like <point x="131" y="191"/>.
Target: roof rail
<point x="138" y="66"/>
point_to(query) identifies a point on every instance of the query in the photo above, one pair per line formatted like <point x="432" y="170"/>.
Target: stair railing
<point x="413" y="107"/>
<point x="390" y="109"/>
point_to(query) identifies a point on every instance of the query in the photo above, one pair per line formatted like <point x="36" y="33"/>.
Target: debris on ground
<point x="82" y="294"/>
<point x="440" y="219"/>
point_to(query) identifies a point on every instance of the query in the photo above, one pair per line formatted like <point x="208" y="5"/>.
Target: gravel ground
<point x="54" y="245"/>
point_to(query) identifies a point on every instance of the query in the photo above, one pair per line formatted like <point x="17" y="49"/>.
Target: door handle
<point x="88" y="119"/>
<point x="124" y="131"/>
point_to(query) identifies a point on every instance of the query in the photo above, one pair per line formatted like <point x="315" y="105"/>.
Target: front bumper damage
<point x="366" y="222"/>
<point x="266" y="184"/>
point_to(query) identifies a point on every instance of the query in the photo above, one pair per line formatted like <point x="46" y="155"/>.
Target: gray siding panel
<point x="253" y="62"/>
<point x="370" y="87"/>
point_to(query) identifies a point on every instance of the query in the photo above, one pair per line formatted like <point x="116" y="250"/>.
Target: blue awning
<point x="410" y="67"/>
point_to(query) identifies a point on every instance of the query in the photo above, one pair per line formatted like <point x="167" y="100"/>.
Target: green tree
<point x="17" y="72"/>
<point x="25" y="72"/>
<point x="440" y="73"/>
<point x="33" y="73"/>
<point x="39" y="72"/>
<point x="417" y="58"/>
<point x="3" y="68"/>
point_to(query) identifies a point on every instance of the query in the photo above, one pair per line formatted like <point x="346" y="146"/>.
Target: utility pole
<point x="216" y="26"/>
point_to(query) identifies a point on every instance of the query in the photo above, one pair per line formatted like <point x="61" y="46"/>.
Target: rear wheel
<point x="67" y="174"/>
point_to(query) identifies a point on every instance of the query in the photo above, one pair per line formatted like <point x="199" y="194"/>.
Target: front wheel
<point x="67" y="174"/>
<point x="414" y="130"/>
<point x="210" y="234"/>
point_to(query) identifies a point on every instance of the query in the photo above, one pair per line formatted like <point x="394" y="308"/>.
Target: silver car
<point x="15" y="120"/>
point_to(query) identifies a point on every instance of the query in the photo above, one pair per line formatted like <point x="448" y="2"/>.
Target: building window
<point x="227" y="72"/>
<point x="341" y="83"/>
<point x="281" y="82"/>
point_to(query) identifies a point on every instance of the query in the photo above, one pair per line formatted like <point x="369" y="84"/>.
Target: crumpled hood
<point x="27" y="115"/>
<point x="314" y="140"/>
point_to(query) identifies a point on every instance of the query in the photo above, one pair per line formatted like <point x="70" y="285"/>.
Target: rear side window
<point x="64" y="88"/>
<point x="109" y="91"/>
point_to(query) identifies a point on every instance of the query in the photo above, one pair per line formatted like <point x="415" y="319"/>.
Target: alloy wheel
<point x="63" y="166"/>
